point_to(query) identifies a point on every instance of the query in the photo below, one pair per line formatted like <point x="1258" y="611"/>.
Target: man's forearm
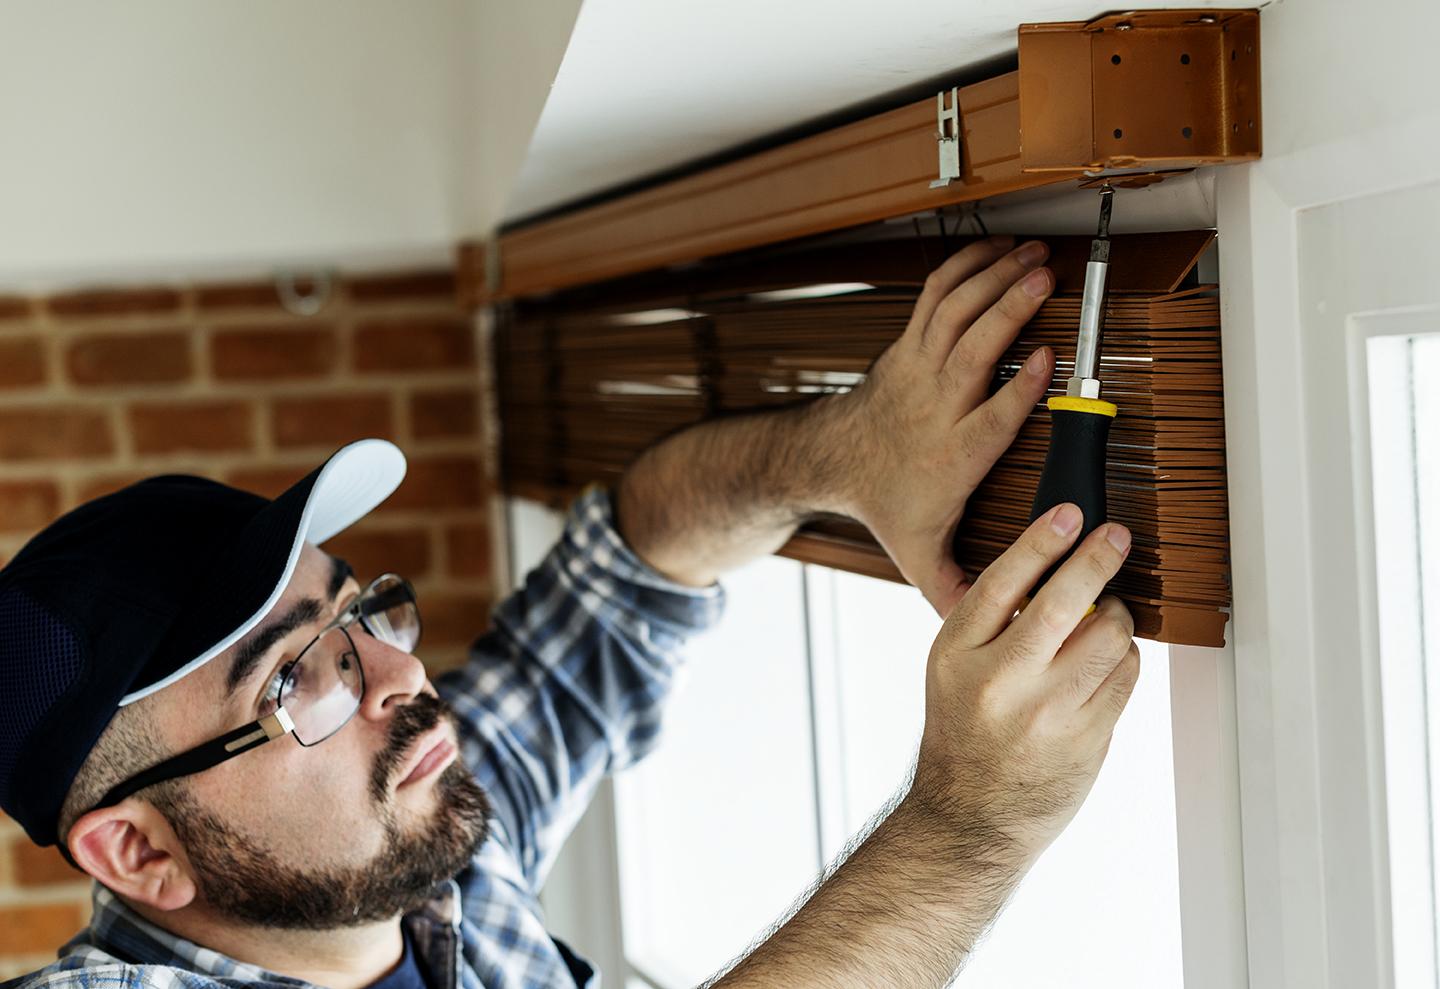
<point x="726" y="491"/>
<point x="904" y="910"/>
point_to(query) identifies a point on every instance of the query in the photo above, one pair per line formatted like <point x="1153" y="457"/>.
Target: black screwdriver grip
<point x="1075" y="467"/>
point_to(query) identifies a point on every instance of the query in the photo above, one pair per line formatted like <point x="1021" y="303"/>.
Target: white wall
<point x="167" y="136"/>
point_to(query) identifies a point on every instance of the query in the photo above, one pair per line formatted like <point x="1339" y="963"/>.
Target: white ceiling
<point x="648" y="85"/>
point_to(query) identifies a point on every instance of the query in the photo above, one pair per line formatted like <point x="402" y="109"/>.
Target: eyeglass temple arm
<point x="203" y="757"/>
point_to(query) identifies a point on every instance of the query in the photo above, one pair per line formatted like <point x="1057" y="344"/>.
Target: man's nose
<point x="393" y="677"/>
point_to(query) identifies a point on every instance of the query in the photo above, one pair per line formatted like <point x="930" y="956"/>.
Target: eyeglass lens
<point x="325" y="685"/>
<point x="389" y="613"/>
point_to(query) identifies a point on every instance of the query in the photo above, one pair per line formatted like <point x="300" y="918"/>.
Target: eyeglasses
<point x="313" y="696"/>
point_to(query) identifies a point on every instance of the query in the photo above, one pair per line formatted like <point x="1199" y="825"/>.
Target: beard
<point x="244" y="880"/>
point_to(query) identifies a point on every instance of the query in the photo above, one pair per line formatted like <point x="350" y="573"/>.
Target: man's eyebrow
<point x="253" y="648"/>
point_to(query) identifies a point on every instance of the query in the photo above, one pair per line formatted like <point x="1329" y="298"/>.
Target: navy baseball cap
<point x="128" y="593"/>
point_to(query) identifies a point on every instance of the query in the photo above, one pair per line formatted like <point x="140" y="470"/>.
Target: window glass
<point x="1405" y="466"/>
<point x="716" y="828"/>
<point x="882" y="637"/>
<point x="534" y="530"/>
<point x="1104" y="898"/>
<point x="797" y="719"/>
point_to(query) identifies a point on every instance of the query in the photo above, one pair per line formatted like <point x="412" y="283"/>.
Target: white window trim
<point x="1207" y="817"/>
<point x="827" y="735"/>
<point x="1307" y="696"/>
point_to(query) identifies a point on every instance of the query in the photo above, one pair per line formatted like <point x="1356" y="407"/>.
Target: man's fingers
<point x="987" y="432"/>
<point x="971" y="363"/>
<point x="1097" y="646"/>
<point x="988" y="606"/>
<point x="956" y="269"/>
<point x="971" y="298"/>
<point x="1114" y="693"/>
<point x="1065" y="598"/>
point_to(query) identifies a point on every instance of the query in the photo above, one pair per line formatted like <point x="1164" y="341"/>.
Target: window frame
<point x="1302" y="278"/>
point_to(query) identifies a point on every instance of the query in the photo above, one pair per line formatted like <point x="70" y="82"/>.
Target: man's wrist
<point x="727" y="490"/>
<point x="828" y="469"/>
<point x="963" y="835"/>
<point x="904" y="909"/>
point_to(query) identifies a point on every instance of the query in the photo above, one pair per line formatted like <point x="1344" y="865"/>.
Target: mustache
<point x="410" y="722"/>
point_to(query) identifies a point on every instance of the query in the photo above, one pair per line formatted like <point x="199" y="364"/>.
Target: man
<point x="162" y="644"/>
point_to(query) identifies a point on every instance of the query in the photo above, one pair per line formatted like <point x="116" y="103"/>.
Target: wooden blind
<point x="589" y="377"/>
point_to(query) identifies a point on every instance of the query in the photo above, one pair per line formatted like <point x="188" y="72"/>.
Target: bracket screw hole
<point x="1114" y="59"/>
<point x="1119" y="133"/>
<point x="1234" y="128"/>
<point x="1232" y="54"/>
<point x="1252" y="125"/>
<point x="1185" y="131"/>
<point x="1184" y="59"/>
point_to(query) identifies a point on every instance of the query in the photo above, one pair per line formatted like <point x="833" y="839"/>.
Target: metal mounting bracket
<point x="947" y="137"/>
<point x="1140" y="90"/>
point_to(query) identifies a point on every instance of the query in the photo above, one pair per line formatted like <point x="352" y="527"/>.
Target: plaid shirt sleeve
<point x="569" y="683"/>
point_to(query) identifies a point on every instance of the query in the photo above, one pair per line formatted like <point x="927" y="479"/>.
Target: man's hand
<point x="901" y="453"/>
<point x="1018" y="714"/>
<point x="920" y="433"/>
<point x="1018" y="718"/>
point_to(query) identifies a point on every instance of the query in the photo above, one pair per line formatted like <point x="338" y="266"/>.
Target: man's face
<point x="355" y="829"/>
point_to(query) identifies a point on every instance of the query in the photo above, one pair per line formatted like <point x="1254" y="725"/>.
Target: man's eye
<point x="271" y="698"/>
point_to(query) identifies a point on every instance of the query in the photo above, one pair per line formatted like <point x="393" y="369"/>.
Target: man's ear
<point x="131" y="849"/>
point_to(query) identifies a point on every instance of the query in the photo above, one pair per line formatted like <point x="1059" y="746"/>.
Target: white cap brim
<point x="356" y="479"/>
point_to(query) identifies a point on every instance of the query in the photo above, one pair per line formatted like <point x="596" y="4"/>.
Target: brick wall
<point x="101" y="388"/>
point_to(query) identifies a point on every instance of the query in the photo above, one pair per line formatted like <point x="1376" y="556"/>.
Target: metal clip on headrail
<point x="947" y="137"/>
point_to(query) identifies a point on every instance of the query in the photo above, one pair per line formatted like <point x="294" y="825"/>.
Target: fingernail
<point x="1038" y="364"/>
<point x="1037" y="283"/>
<point x="1031" y="254"/>
<point x="1067" y="519"/>
<point x="1119" y="537"/>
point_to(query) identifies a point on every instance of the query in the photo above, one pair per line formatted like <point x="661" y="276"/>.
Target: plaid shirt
<point x="567" y="687"/>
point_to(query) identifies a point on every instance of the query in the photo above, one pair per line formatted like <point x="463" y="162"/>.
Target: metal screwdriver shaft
<point x="1079" y="420"/>
<point x="1084" y="383"/>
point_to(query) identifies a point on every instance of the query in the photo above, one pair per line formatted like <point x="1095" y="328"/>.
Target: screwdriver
<point x="1080" y="420"/>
